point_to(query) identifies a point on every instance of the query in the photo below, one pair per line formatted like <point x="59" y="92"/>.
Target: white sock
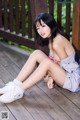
<point x="20" y="90"/>
<point x="17" y="82"/>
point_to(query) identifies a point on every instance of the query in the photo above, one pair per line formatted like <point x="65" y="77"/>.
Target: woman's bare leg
<point x="47" y="65"/>
<point x="36" y="57"/>
<point x="57" y="73"/>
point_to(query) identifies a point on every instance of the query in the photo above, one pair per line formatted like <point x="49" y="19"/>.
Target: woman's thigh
<point x="57" y="72"/>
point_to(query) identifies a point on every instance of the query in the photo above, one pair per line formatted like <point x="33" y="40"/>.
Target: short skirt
<point x="72" y="81"/>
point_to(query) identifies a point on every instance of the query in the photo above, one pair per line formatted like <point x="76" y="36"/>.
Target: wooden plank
<point x="76" y="25"/>
<point x="72" y="110"/>
<point x="19" y="111"/>
<point x="6" y="77"/>
<point x="74" y="97"/>
<point x="8" y="64"/>
<point x="46" y="104"/>
<point x="19" y="59"/>
<point x="35" y="107"/>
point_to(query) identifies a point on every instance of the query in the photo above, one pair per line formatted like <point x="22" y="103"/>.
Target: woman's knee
<point x="48" y="62"/>
<point x="38" y="55"/>
<point x="37" y="52"/>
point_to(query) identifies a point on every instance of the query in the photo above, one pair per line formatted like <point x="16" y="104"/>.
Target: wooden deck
<point x="38" y="103"/>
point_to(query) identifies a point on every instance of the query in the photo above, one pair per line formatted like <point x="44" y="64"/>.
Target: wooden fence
<point x="14" y="18"/>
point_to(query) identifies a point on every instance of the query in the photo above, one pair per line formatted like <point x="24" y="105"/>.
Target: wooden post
<point x="76" y="24"/>
<point x="0" y="13"/>
<point x="37" y="6"/>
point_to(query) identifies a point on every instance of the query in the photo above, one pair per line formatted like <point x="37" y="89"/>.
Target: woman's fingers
<point x="50" y="83"/>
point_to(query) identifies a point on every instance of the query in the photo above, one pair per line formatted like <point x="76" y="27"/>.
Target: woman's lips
<point x="42" y="34"/>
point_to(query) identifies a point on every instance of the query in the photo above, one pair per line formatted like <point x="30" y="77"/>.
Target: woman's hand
<point x="50" y="83"/>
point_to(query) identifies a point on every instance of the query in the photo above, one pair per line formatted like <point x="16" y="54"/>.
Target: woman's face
<point x="43" y="30"/>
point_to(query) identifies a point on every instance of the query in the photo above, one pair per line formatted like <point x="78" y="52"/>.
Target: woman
<point x="59" y="67"/>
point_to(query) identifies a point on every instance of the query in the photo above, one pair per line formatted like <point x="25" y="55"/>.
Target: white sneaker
<point x="14" y="94"/>
<point x="7" y="87"/>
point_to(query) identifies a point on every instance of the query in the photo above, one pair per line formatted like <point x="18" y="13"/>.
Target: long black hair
<point x="50" y="21"/>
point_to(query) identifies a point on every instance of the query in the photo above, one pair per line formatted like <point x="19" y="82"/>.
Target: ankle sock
<point x="17" y="82"/>
<point x="21" y="91"/>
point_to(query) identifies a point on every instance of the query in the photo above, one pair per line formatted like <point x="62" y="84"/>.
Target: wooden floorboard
<point x="38" y="103"/>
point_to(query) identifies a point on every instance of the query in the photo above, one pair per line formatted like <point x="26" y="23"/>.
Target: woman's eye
<point x="37" y="28"/>
<point x="43" y="25"/>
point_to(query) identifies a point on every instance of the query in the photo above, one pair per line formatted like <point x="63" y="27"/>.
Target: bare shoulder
<point x="60" y="40"/>
<point x="62" y="43"/>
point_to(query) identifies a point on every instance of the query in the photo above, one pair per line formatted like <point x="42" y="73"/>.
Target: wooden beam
<point x="0" y="13"/>
<point x="21" y="40"/>
<point x="76" y="25"/>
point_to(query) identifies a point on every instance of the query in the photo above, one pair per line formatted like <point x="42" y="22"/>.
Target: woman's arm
<point x="62" y="47"/>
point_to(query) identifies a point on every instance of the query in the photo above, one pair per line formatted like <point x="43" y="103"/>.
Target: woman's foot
<point x="9" y="86"/>
<point x="14" y="94"/>
<point x="50" y="83"/>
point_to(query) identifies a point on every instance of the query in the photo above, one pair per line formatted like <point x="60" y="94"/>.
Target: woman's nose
<point x="41" y="30"/>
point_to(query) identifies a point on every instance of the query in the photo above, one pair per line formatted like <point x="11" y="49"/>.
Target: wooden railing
<point x="14" y="18"/>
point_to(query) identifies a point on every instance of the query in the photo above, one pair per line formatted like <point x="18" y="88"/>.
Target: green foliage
<point x="26" y="48"/>
<point x="63" y="19"/>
